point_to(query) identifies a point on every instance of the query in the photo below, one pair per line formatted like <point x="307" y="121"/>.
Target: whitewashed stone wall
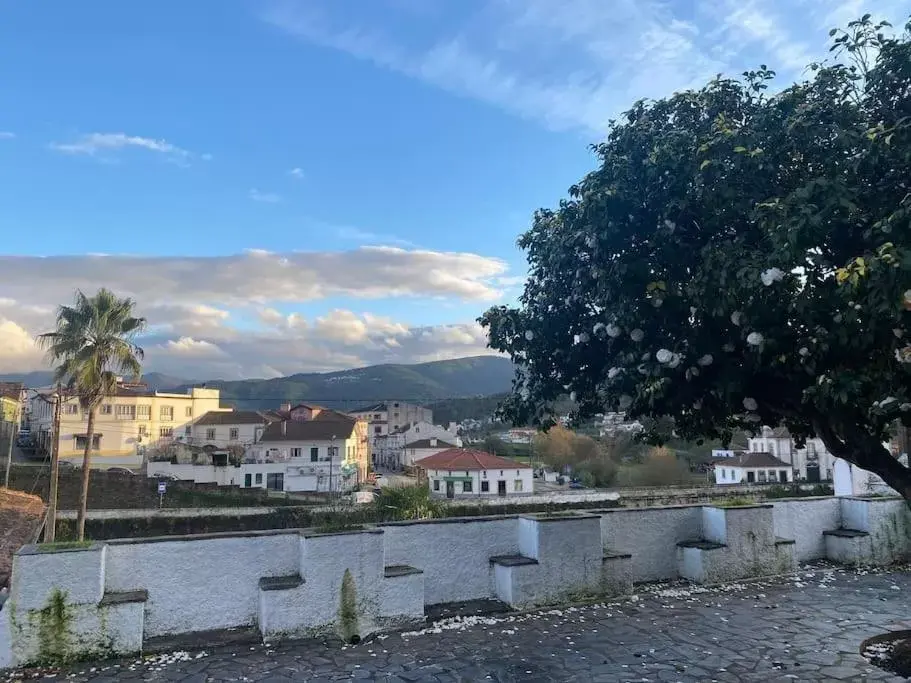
<point x="116" y="595"/>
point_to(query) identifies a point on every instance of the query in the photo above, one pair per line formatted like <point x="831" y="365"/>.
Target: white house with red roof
<point x="464" y="472"/>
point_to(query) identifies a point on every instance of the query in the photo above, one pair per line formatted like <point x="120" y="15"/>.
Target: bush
<point x="397" y="503"/>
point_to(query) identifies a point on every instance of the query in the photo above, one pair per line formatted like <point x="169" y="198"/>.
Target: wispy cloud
<point x="264" y="197"/>
<point x="573" y="64"/>
<point x="365" y="237"/>
<point x="95" y="144"/>
<point x="6" y="135"/>
<point x="297" y="173"/>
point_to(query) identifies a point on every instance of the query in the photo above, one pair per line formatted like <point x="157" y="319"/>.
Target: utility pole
<point x="9" y="455"/>
<point x="331" y="449"/>
<point x="50" y="526"/>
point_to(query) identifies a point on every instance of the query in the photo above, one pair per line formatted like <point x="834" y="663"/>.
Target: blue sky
<point x="296" y="185"/>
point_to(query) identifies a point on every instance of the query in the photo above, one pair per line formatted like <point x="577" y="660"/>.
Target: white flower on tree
<point x="771" y="276"/>
<point x="598" y="328"/>
<point x="529" y="335"/>
<point x="755" y="339"/>
<point x="736" y="317"/>
<point x="613" y="372"/>
<point x="674" y="361"/>
<point x="613" y="331"/>
<point x="750" y="404"/>
<point x="804" y="351"/>
<point x="903" y="355"/>
<point x="637" y="335"/>
<point x="664" y="355"/>
<point x="706" y="360"/>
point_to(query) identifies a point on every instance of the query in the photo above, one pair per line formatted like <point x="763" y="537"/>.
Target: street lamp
<point x="331" y="453"/>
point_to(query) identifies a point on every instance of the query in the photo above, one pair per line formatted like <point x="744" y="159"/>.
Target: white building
<point x="222" y="429"/>
<point x="463" y="472"/>
<point x="390" y="416"/>
<point x="424" y="448"/>
<point x="811" y="463"/>
<point x="752" y="468"/>
<point x="317" y="455"/>
<point x="305" y="456"/>
<point x="389" y="449"/>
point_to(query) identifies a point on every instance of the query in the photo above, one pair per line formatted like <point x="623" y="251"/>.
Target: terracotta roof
<point x="756" y="460"/>
<point x="425" y="443"/>
<point x="308" y="406"/>
<point x="308" y="430"/>
<point x="233" y="417"/>
<point x="467" y="459"/>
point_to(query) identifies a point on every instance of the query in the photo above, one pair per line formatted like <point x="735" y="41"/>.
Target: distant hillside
<point x="348" y="389"/>
<point x="460" y="409"/>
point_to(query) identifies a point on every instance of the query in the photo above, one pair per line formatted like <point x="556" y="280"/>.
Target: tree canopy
<point x="92" y="344"/>
<point x="738" y="258"/>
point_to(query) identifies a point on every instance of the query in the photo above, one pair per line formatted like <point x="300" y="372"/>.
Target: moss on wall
<point x="347" y="612"/>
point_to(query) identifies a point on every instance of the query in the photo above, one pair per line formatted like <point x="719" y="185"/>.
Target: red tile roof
<point x="467" y="459"/>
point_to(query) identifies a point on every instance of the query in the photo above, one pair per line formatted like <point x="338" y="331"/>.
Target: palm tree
<point x="92" y="345"/>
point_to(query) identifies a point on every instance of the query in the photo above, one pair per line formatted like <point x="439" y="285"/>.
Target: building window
<point x="188" y="411"/>
<point x="296" y="452"/>
<point x="106" y="409"/>
<point x="436" y="484"/>
<point x="144" y="412"/>
<point x="377" y="430"/>
<point x="485" y="487"/>
<point x="314" y="454"/>
<point x="166" y="432"/>
<point x="259" y="477"/>
<point x="773" y="475"/>
<point x="466" y="486"/>
<point x="234" y="433"/>
<point x="248" y="480"/>
<point x="71" y="409"/>
<point x="125" y="412"/>
<point x="377" y="416"/>
<point x="210" y="433"/>
<point x="81" y="441"/>
<point x="166" y="412"/>
<point x="142" y="430"/>
<point x="724" y="473"/>
<point x="760" y="476"/>
<point x="517" y="485"/>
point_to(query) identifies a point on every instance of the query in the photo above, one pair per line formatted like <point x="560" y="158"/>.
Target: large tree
<point x="92" y="344"/>
<point x="738" y="258"/>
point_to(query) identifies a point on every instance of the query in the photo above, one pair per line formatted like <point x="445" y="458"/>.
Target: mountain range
<point x="422" y="383"/>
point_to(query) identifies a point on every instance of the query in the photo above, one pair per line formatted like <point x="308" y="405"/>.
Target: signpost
<point x="162" y="488"/>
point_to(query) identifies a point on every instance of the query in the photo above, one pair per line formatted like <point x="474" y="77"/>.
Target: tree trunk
<point x="869" y="454"/>
<point x="86" y="472"/>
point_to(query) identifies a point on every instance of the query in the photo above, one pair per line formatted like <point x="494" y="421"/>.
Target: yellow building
<point x="126" y="424"/>
<point x="10" y="395"/>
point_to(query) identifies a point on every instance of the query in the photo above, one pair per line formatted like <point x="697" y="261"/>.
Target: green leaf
<point x="740" y="149"/>
<point x="705" y="164"/>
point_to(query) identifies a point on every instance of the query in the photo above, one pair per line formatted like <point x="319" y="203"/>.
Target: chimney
<point x="433" y="443"/>
<point x="284" y="427"/>
<point x="285" y="407"/>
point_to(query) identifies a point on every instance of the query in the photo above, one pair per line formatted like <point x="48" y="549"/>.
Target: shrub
<point x="406" y="502"/>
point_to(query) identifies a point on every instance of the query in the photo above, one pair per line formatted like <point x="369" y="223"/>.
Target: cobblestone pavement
<point x="804" y="627"/>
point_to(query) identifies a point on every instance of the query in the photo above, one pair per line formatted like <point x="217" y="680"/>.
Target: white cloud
<point x="297" y="173"/>
<point x="197" y="348"/>
<point x="256" y="276"/>
<point x="576" y="63"/>
<point x="18" y="350"/>
<point x="6" y="135"/>
<point x="264" y="197"/>
<point x="228" y="317"/>
<point x="93" y="144"/>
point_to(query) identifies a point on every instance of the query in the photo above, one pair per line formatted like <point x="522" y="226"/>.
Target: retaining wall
<point x="116" y="595"/>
